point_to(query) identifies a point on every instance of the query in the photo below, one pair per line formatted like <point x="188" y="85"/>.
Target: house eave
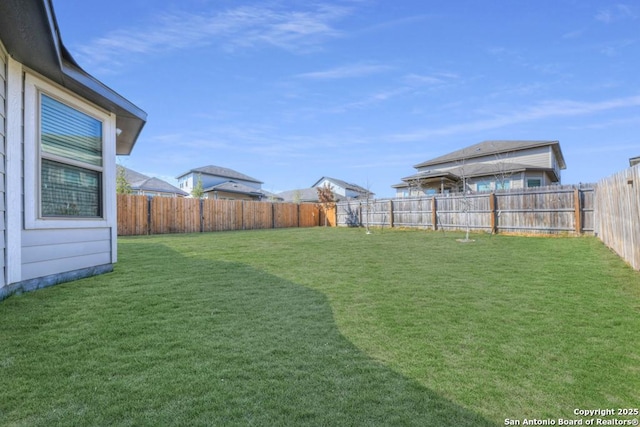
<point x="468" y="153"/>
<point x="29" y="32"/>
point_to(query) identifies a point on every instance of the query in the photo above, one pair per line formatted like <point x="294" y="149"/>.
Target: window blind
<point x="69" y="133"/>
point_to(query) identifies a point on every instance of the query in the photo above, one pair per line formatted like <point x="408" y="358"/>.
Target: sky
<point x="290" y="91"/>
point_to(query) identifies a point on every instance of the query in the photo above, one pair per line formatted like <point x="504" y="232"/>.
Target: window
<point x="484" y="186"/>
<point x="504" y="184"/>
<point x="71" y="161"/>
<point x="534" y="182"/>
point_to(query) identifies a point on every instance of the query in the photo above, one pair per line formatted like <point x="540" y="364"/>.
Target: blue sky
<point x="361" y="90"/>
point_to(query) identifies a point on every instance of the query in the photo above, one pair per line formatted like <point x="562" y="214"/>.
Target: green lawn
<point x="327" y="326"/>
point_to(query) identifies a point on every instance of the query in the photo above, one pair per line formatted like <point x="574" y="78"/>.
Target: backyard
<point x="328" y="326"/>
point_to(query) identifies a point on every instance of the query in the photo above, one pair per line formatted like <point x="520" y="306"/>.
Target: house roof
<point x="300" y="195"/>
<point x="29" y="31"/>
<point x="470" y="170"/>
<point x="487" y="148"/>
<point x="343" y="184"/>
<point x="234" y="187"/>
<point x="306" y="195"/>
<point x="428" y="176"/>
<point x="138" y="181"/>
<point x="222" y="172"/>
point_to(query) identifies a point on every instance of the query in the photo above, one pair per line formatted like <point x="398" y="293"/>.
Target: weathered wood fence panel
<point x="413" y="212"/>
<point x="456" y="212"/>
<point x="549" y="210"/>
<point x="285" y="215"/>
<point x="309" y="215"/>
<point x="160" y="215"/>
<point x="617" y="214"/>
<point x="132" y="215"/>
<point x="174" y="215"/>
<point x="256" y="215"/>
<point x="221" y="215"/>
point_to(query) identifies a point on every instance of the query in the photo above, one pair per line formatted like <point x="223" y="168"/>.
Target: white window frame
<point x="34" y="86"/>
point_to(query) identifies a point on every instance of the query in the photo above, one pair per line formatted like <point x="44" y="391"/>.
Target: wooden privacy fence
<point x="138" y="215"/>
<point x="617" y="214"/>
<point x="548" y="210"/>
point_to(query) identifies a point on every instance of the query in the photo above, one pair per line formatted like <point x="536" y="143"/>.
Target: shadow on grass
<point x="169" y="339"/>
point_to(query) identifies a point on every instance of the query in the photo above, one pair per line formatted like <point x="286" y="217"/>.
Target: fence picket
<point x="617" y="214"/>
<point x="543" y="210"/>
<point x="139" y="215"/>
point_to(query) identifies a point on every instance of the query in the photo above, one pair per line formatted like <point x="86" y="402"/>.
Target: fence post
<point x="202" y="215"/>
<point x="494" y="214"/>
<point x="148" y="214"/>
<point x="273" y="215"/>
<point x="391" y="213"/>
<point x="434" y="213"/>
<point x="242" y="213"/>
<point x="577" y="210"/>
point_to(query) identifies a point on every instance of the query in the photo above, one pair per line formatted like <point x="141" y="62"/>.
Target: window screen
<point x="69" y="140"/>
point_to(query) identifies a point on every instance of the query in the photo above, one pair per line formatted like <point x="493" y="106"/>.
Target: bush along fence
<point x="139" y="215"/>
<point x="548" y="210"/>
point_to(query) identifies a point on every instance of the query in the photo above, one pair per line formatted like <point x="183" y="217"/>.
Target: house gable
<point x="343" y="188"/>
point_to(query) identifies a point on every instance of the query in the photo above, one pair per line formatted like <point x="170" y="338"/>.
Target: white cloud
<point x="242" y="27"/>
<point x="616" y="13"/>
<point x="347" y="71"/>
<point x="429" y="80"/>
<point x="544" y="110"/>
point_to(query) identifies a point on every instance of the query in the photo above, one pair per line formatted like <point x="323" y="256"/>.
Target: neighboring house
<point x="301" y="195"/>
<point x="344" y="189"/>
<point x="341" y="190"/>
<point x="487" y="166"/>
<point x="149" y="186"/>
<point x="60" y="131"/>
<point x="222" y="183"/>
<point x="634" y="161"/>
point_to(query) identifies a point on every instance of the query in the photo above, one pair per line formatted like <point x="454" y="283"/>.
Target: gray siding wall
<point x="47" y="252"/>
<point x="3" y="131"/>
<point x="537" y="157"/>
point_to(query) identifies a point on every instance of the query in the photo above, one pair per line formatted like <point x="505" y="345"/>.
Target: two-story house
<point x="222" y="183"/>
<point x="487" y="166"/>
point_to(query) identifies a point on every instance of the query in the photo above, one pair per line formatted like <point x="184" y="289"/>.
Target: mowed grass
<point x="327" y="327"/>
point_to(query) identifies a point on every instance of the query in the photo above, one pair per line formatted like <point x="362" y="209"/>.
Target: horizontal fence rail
<point x="547" y="210"/>
<point x="139" y="215"/>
